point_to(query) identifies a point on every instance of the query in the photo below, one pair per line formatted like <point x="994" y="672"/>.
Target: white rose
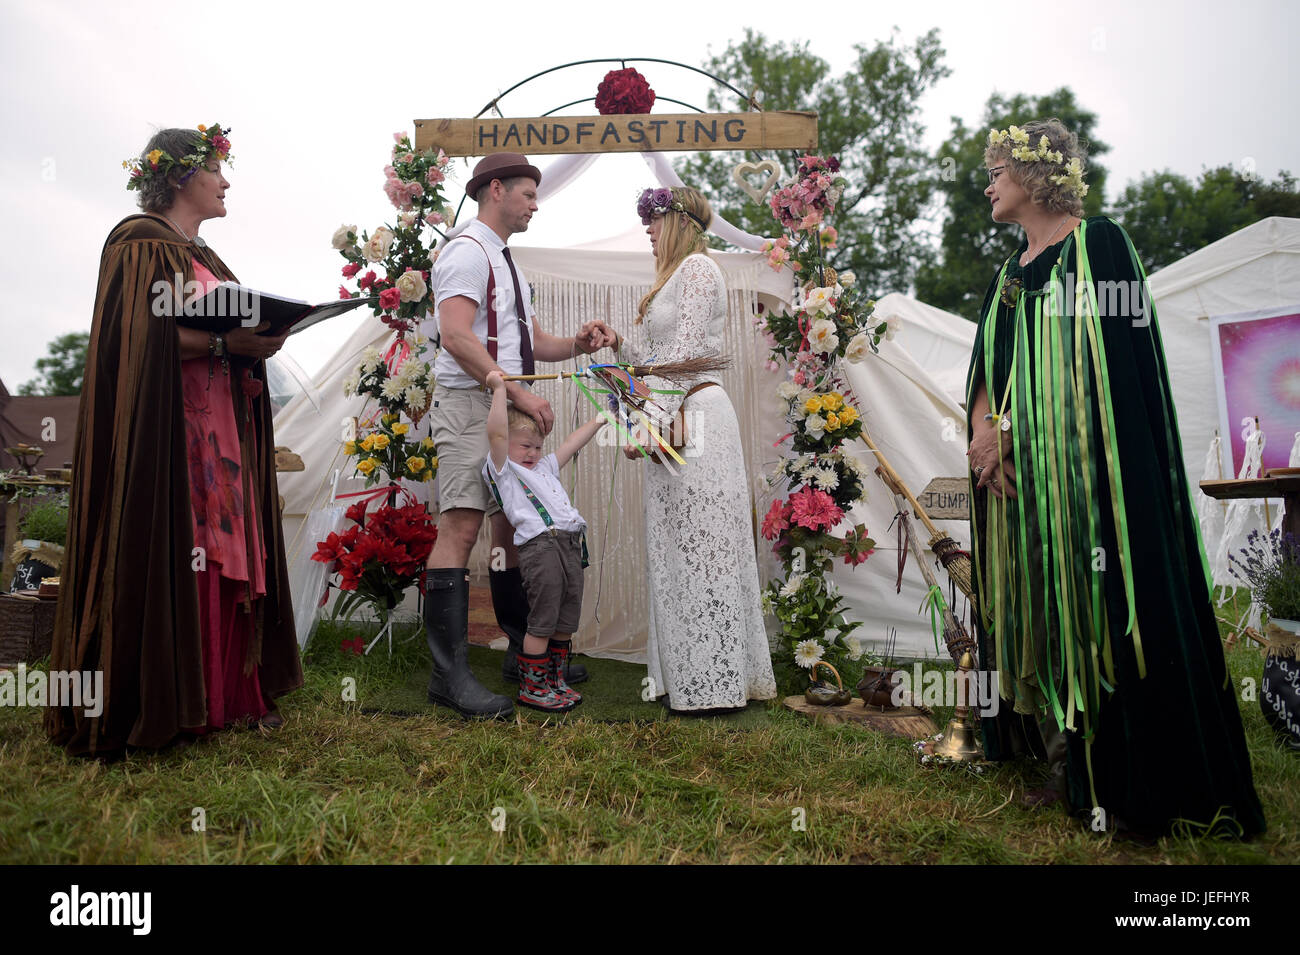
<point x="411" y="285"/>
<point x="818" y="300"/>
<point x="815" y="425"/>
<point x="822" y="337"/>
<point x="341" y="238"/>
<point x="407" y="219"/>
<point x="787" y="389"/>
<point x="377" y="246"/>
<point x="858" y="348"/>
<point x="893" y="325"/>
<point x="848" y="279"/>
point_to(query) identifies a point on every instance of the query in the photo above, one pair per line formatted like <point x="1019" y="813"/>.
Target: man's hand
<point x="536" y="407"/>
<point x="247" y="341"/>
<point x="594" y="336"/>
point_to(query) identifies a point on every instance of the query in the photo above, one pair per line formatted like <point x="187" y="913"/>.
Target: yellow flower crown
<point x="1071" y="177"/>
<point x="212" y="144"/>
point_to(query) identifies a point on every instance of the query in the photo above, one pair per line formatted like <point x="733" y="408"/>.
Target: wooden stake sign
<point x="946" y="499"/>
<point x="658" y="132"/>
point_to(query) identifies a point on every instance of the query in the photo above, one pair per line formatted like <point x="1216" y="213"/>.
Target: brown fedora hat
<point x="501" y="166"/>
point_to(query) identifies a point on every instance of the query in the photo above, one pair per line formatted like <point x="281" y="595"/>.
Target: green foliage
<point x="1168" y="216"/>
<point x="61" y="372"/>
<point x="866" y="118"/>
<point x="972" y="246"/>
<point x="46" y="521"/>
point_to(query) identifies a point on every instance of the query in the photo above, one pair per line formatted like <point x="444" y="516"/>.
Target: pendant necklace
<point x="196" y="240"/>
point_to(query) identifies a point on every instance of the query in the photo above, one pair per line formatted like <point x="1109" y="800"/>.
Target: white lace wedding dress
<point x="707" y="647"/>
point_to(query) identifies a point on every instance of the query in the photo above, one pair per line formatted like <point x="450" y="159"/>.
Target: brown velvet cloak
<point x="128" y="603"/>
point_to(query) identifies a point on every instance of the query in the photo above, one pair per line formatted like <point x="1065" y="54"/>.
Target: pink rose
<point x="344" y="293"/>
<point x="800" y="378"/>
<point x="368" y="279"/>
<point x="351" y="269"/>
<point x="398" y="136"/>
<point x="436" y="176"/>
<point x="390" y="298"/>
<point x="434" y="218"/>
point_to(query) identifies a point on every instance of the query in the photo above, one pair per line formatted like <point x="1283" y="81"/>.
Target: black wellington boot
<point x="446" y="617"/>
<point x="510" y="603"/>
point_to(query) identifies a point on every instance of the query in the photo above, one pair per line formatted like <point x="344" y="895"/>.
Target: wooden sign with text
<point x="946" y="499"/>
<point x="667" y="132"/>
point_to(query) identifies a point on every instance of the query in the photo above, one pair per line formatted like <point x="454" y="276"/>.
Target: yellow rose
<point x="415" y="464"/>
<point x="368" y="465"/>
<point x="402" y="428"/>
<point x="848" y="415"/>
<point x="426" y="444"/>
<point x="349" y="447"/>
<point x="381" y="441"/>
<point x="832" y="422"/>
<point x="426" y="476"/>
<point x="813" y="404"/>
<point x="833" y="401"/>
<point x="433" y="463"/>
<point x="368" y="443"/>
<point x="388" y="419"/>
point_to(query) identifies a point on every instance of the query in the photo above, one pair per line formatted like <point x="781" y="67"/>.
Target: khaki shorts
<point x="551" y="565"/>
<point x="458" y="419"/>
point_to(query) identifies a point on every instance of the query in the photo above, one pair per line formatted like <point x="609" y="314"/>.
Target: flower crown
<point x="212" y="144"/>
<point x="1070" y="179"/>
<point x="661" y="201"/>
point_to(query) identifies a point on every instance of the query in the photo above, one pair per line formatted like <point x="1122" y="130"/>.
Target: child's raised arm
<point x="498" y="424"/>
<point x="577" y="440"/>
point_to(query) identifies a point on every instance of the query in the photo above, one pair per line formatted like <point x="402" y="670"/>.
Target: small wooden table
<point x="1272" y="484"/>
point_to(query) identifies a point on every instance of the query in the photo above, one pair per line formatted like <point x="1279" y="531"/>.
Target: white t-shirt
<point x="544" y="481"/>
<point x="462" y="269"/>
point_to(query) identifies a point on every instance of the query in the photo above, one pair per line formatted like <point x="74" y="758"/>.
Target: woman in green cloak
<point x="1093" y="592"/>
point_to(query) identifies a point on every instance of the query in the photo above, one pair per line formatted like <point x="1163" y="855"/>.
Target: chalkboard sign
<point x="1280" y="699"/>
<point x="29" y="575"/>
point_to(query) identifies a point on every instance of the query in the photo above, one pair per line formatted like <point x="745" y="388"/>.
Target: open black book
<point x="229" y="306"/>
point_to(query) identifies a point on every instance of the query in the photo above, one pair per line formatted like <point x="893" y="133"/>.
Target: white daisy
<point x="807" y="652"/>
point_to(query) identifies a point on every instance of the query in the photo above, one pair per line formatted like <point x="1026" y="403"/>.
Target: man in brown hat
<point x="486" y="323"/>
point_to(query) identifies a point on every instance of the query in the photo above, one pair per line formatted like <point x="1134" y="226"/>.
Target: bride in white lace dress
<point x="707" y="648"/>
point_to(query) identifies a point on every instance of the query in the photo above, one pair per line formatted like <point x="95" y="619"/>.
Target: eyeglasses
<point x="993" y="173"/>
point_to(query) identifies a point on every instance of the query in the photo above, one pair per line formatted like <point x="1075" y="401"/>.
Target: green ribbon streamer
<point x="934" y="600"/>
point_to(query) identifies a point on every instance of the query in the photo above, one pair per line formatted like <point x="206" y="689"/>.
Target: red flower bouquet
<point x="380" y="557"/>
<point x="624" y="91"/>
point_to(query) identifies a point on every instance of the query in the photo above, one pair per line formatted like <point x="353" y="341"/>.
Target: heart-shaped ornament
<point x="746" y="169"/>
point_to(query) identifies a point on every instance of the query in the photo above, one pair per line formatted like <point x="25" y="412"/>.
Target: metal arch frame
<point x="748" y="98"/>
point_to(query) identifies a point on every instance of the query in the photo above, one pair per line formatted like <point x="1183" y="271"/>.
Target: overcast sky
<point x="313" y="92"/>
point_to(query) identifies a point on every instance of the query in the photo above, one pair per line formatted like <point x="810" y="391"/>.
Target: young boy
<point x="548" y="533"/>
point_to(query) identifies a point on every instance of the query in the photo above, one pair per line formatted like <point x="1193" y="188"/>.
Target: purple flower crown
<point x="660" y="202"/>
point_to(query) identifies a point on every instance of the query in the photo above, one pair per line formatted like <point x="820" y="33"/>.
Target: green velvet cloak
<point x="1093" y="593"/>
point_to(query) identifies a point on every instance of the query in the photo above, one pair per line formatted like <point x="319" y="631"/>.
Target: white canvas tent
<point x="1255" y="268"/>
<point x="913" y="414"/>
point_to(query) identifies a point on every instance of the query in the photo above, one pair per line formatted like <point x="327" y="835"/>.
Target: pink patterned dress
<point x="232" y="562"/>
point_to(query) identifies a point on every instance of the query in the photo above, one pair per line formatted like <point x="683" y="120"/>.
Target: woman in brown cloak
<point x="175" y="585"/>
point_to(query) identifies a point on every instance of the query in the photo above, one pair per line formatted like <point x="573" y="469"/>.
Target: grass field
<point x="388" y="779"/>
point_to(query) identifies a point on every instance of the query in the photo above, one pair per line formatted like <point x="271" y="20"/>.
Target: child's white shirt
<point x="544" y="481"/>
